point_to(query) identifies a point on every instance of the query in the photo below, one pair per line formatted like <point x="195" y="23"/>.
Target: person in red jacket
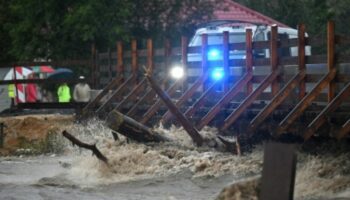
<point x="31" y="91"/>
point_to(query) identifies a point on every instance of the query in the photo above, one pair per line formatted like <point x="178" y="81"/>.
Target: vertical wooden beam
<point x="274" y="58"/>
<point x="226" y="59"/>
<point x="301" y="58"/>
<point x="204" y="56"/>
<point x="134" y="64"/>
<point x="249" y="58"/>
<point x="120" y="63"/>
<point x="184" y="49"/>
<point x="278" y="175"/>
<point x="330" y="57"/>
<point x="150" y="56"/>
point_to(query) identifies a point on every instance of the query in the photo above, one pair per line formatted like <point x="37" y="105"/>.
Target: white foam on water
<point x="132" y="161"/>
<point x="322" y="176"/>
<point x="317" y="176"/>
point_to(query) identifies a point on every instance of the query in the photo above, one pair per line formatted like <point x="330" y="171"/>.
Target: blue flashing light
<point x="213" y="54"/>
<point x="217" y="74"/>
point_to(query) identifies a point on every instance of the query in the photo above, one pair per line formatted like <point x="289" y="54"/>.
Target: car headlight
<point x="177" y="72"/>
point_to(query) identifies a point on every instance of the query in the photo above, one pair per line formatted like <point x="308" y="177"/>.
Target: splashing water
<point x="142" y="170"/>
<point x="132" y="161"/>
<point x="317" y="176"/>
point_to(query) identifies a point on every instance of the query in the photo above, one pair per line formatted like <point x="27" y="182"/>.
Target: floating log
<point x="132" y="129"/>
<point x="81" y="144"/>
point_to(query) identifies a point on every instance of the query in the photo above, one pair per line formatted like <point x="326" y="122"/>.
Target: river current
<point x="160" y="171"/>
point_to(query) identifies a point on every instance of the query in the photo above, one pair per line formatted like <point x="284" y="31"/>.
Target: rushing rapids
<point x="163" y="171"/>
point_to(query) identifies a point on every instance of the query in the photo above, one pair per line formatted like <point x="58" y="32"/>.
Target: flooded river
<point x="164" y="172"/>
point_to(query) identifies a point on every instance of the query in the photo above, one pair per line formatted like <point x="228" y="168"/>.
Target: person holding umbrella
<point x="63" y="93"/>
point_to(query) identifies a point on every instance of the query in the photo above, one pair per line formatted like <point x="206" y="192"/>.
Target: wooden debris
<point x="132" y="129"/>
<point x="81" y="144"/>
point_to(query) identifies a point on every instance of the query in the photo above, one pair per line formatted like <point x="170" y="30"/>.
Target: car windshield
<point x="217" y="38"/>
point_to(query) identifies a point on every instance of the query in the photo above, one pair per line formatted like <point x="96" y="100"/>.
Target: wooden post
<point x="278" y="175"/>
<point x="204" y="57"/>
<point x="226" y="59"/>
<point x="150" y="56"/>
<point x="330" y="57"/>
<point x="274" y="58"/>
<point x="120" y="63"/>
<point x="249" y="58"/>
<point x="184" y="49"/>
<point x="134" y="64"/>
<point x="301" y="59"/>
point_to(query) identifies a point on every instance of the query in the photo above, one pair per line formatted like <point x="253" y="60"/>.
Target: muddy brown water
<point x="165" y="171"/>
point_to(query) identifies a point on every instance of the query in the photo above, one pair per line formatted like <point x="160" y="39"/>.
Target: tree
<point x="313" y="13"/>
<point x="64" y="29"/>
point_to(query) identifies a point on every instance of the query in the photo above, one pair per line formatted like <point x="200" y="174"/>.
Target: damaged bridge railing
<point x="276" y="93"/>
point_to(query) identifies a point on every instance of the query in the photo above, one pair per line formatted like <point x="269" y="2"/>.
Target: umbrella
<point x="20" y="73"/>
<point x="42" y="69"/>
<point x="61" y="73"/>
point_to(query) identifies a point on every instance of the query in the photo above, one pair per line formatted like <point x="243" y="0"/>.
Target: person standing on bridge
<point x="81" y="91"/>
<point x="12" y="94"/>
<point x="63" y="93"/>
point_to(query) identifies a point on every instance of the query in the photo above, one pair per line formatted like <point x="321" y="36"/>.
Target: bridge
<point x="303" y="95"/>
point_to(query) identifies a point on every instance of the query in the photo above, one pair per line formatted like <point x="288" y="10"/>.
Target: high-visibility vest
<point x="11" y="90"/>
<point x="63" y="93"/>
